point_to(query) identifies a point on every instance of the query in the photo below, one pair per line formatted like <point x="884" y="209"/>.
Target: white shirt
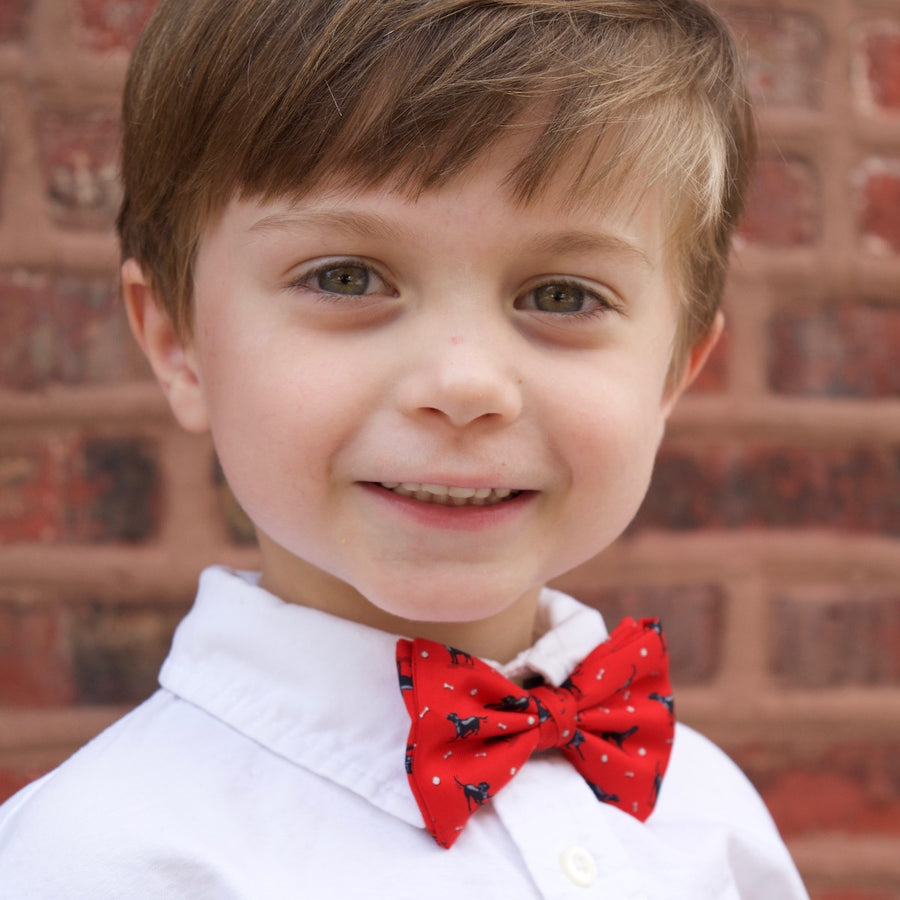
<point x="271" y="765"/>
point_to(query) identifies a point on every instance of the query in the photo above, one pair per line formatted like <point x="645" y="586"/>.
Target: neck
<point x="499" y="637"/>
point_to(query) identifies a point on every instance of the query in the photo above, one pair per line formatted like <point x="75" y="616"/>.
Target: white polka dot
<point x="435" y="780"/>
<point x="604" y="758"/>
<point x="424" y="654"/>
<point x="513" y="770"/>
<point x="630" y="708"/>
<point x="643" y="651"/>
<point x="642" y="751"/>
<point x="531" y="720"/>
<point x="566" y="733"/>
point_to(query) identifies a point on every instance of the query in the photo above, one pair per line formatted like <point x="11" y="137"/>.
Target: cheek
<point x="614" y="442"/>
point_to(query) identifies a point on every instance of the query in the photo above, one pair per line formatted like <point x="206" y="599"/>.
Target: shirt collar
<point x="269" y="669"/>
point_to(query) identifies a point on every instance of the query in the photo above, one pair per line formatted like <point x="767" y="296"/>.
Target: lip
<point x="441" y="516"/>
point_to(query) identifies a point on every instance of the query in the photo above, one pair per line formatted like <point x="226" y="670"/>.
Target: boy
<point x="433" y="273"/>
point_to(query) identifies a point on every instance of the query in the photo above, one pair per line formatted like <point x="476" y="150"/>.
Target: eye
<point x="343" y="278"/>
<point x="564" y="298"/>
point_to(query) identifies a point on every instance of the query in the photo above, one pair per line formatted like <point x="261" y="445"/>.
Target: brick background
<point x="769" y="541"/>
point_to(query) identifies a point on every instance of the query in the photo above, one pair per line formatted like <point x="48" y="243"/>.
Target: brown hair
<point x="269" y="98"/>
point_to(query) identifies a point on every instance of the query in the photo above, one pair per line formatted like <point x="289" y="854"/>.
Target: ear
<point x="172" y="359"/>
<point x="695" y="362"/>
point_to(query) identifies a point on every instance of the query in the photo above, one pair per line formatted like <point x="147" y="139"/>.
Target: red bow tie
<point x="472" y="729"/>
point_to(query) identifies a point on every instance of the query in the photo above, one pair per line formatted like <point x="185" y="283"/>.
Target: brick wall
<point x="770" y="538"/>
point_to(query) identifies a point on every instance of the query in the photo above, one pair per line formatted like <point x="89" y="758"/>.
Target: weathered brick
<point x="727" y="486"/>
<point x="841" y="350"/>
<point x="852" y="787"/>
<point x="117" y="651"/>
<point x="112" y="24"/>
<point x="880" y="63"/>
<point x="784" y="204"/>
<point x="785" y="53"/>
<point x="34" y="662"/>
<point x="113" y="491"/>
<point x="31" y="490"/>
<point x="13" y="16"/>
<point x="829" y="637"/>
<point x="63" y="328"/>
<point x="79" y="159"/>
<point x="692" y="616"/>
<point x="879" y="204"/>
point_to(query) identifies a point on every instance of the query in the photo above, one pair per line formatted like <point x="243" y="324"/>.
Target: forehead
<point x="589" y="183"/>
<point x="574" y="209"/>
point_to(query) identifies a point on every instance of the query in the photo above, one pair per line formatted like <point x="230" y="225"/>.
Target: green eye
<point x="346" y="278"/>
<point x="559" y="298"/>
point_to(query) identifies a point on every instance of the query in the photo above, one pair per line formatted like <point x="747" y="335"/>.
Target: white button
<point x="579" y="866"/>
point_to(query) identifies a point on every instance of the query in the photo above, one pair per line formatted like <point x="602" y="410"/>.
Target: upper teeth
<point x="441" y="493"/>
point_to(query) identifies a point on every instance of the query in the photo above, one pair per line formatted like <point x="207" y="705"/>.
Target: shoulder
<point x="703" y="779"/>
<point x="104" y="823"/>
<point x="709" y="806"/>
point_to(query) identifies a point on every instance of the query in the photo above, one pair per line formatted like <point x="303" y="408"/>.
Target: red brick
<point x="785" y="53"/>
<point x="692" y="616"/>
<point x="27" y="349"/>
<point x="113" y="491"/>
<point x="849" y="787"/>
<point x="726" y="486"/>
<point x="31" y="489"/>
<point x="881" y="63"/>
<point x="112" y="24"/>
<point x="880" y="206"/>
<point x="784" y="205"/>
<point x="79" y="159"/>
<point x="841" y="350"/>
<point x="63" y="328"/>
<point x="117" y="651"/>
<point x="34" y="664"/>
<point x="831" y="637"/>
<point x="13" y="16"/>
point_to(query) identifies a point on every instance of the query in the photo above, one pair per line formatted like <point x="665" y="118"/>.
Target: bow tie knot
<point x="472" y="729"/>
<point x="557" y="717"/>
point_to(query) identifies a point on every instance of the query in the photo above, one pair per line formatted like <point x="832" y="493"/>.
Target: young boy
<point x="433" y="273"/>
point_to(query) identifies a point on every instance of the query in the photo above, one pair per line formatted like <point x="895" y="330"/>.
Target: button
<point x="579" y="866"/>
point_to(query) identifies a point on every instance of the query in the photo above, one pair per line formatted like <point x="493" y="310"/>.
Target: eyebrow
<point x="572" y="242"/>
<point x="365" y="224"/>
<point x="352" y="224"/>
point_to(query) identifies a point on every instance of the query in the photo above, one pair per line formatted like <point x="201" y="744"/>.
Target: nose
<point x="461" y="379"/>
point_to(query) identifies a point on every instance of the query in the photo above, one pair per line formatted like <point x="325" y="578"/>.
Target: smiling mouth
<point x="443" y="495"/>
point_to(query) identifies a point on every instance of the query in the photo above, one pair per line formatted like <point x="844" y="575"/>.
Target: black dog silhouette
<point x="511" y="703"/>
<point x="475" y="793"/>
<point x="457" y="655"/>
<point x="465" y="727"/>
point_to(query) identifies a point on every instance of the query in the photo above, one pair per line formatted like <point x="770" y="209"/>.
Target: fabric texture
<point x="472" y="729"/>
<point x="270" y="765"/>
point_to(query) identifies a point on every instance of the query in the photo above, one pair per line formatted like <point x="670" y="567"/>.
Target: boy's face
<point x="360" y="357"/>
